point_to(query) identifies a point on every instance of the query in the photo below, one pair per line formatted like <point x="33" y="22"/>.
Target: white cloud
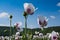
<point x="31" y="26"/>
<point x="58" y="4"/>
<point x="53" y="17"/>
<point x="3" y="15"/>
<point x="4" y="25"/>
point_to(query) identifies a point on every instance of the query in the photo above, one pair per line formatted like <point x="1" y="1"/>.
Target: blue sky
<point x="48" y="8"/>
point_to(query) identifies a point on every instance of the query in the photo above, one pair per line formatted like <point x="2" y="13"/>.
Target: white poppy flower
<point x="18" y="24"/>
<point x="42" y="21"/>
<point x="17" y="33"/>
<point x="29" y="8"/>
<point x="54" y="35"/>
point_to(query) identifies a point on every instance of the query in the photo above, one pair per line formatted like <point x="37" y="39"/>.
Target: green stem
<point x="26" y="27"/>
<point x="43" y="33"/>
<point x="14" y="32"/>
<point x="10" y="28"/>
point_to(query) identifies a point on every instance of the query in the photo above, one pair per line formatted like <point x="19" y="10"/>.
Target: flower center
<point x="54" y="37"/>
<point x="28" y="10"/>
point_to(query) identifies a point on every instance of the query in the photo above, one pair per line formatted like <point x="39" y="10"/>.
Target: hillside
<point x="4" y="30"/>
<point x="46" y="30"/>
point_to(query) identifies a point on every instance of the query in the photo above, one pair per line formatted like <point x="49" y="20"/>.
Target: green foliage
<point x="40" y="39"/>
<point x="5" y="31"/>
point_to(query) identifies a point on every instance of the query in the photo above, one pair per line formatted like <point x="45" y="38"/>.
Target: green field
<point x="4" y="31"/>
